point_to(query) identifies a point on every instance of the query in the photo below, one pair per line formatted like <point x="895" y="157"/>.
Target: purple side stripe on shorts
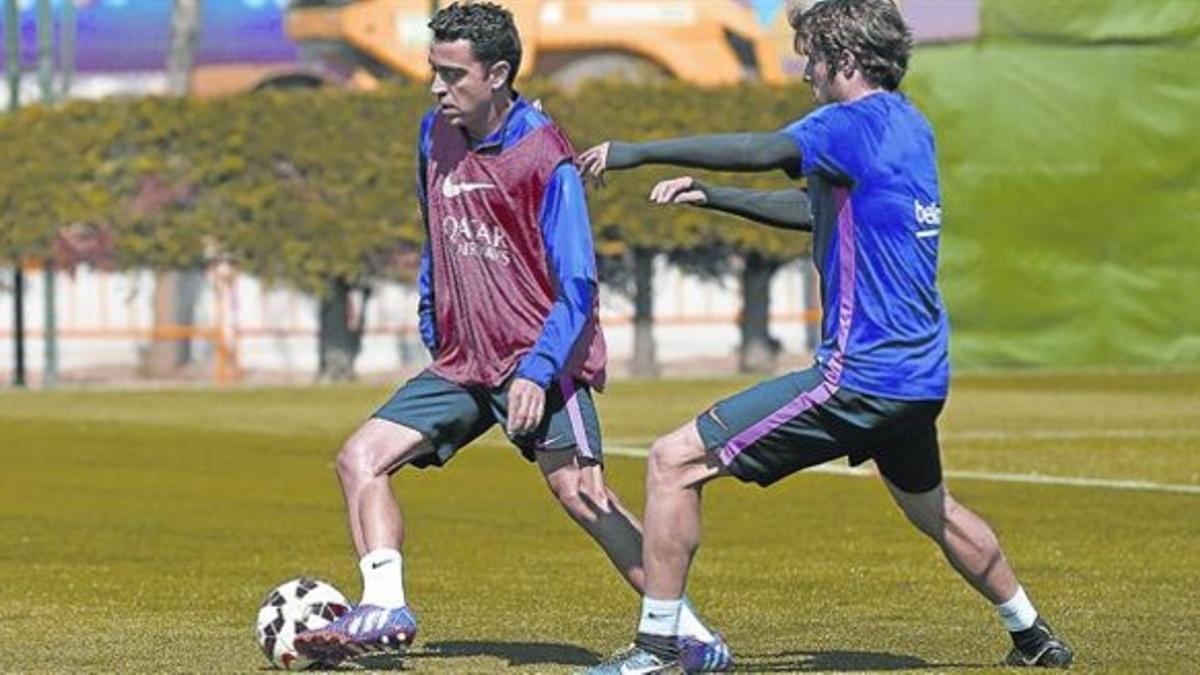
<point x="833" y="369"/>
<point x="573" y="412"/>
<point x="809" y="399"/>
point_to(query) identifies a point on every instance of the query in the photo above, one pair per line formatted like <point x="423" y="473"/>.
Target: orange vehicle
<point x="705" y="42"/>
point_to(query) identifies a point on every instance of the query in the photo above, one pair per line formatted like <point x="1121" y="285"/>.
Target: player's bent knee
<point x="567" y="491"/>
<point x="667" y="466"/>
<point x="377" y="450"/>
<point x="352" y="462"/>
<point x="579" y="508"/>
<point x="659" y="464"/>
<point x="360" y="460"/>
<point x="932" y="522"/>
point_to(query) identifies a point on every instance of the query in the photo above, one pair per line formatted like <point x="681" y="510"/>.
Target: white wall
<point x="104" y="322"/>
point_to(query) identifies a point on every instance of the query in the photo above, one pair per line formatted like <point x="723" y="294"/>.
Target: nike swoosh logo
<point x="450" y="189"/>
<point x="550" y="441"/>
<point x="377" y="565"/>
<point x="712" y="412"/>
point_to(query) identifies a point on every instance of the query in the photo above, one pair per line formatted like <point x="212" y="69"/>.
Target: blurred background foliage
<point x="302" y="186"/>
<point x="1066" y="136"/>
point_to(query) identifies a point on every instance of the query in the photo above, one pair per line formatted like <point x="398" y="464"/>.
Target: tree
<point x="701" y="241"/>
<point x="185" y="35"/>
<point x="12" y="67"/>
<point x="630" y="234"/>
<point x="176" y="291"/>
<point x="316" y="191"/>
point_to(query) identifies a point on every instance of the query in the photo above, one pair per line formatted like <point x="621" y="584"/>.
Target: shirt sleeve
<point x="425" y="308"/>
<point x="567" y="233"/>
<point x="828" y="144"/>
<point x="427" y="319"/>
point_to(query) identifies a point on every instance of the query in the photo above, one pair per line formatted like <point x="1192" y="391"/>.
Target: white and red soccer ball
<point x="290" y="609"/>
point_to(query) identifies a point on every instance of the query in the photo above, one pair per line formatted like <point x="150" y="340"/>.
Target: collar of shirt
<point x="516" y="124"/>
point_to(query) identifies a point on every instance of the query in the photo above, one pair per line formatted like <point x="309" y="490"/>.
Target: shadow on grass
<point x="834" y="660"/>
<point x="557" y="654"/>
<point x="515" y="653"/>
<point x="377" y="662"/>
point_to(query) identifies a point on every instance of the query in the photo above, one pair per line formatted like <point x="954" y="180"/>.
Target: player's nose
<point x="437" y="87"/>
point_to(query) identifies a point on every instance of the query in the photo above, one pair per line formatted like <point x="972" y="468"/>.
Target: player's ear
<point x="847" y="63"/>
<point x="498" y="74"/>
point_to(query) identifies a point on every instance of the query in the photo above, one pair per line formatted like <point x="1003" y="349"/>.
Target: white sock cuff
<point x="383" y="578"/>
<point x="690" y="623"/>
<point x="660" y="617"/>
<point x="1018" y="612"/>
<point x="377" y="556"/>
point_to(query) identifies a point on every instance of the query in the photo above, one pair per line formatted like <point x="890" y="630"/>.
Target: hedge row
<point x="308" y="186"/>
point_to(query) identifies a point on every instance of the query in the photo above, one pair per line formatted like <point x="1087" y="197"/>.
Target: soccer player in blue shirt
<point x="882" y="370"/>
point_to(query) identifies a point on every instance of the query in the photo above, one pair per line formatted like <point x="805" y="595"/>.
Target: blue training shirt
<point x="567" y="236"/>
<point x="877" y="217"/>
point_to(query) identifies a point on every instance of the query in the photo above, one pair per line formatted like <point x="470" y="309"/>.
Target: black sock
<point x="663" y="646"/>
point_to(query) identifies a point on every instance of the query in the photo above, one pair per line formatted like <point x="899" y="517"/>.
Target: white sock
<point x="660" y="617"/>
<point x="691" y="625"/>
<point x="383" y="578"/>
<point x="1018" y="613"/>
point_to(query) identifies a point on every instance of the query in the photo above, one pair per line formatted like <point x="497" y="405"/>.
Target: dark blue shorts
<point x="451" y="415"/>
<point x="799" y="420"/>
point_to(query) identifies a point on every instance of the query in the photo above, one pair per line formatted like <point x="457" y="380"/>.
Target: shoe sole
<point x="332" y="648"/>
<point x="1059" y="660"/>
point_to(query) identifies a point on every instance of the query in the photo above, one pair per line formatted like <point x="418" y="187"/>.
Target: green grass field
<point x="140" y="531"/>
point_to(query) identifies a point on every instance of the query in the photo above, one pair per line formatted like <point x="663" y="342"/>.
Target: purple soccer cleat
<point x="697" y="656"/>
<point x="364" y="630"/>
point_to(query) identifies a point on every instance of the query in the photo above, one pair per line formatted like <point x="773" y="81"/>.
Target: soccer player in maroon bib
<point x="508" y="310"/>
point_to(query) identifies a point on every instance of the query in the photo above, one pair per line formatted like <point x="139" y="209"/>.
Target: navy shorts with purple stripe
<point x="781" y="426"/>
<point x="451" y="415"/>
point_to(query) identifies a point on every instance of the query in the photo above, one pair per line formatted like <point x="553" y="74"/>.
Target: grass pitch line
<point x="1038" y="435"/>
<point x="1068" y="434"/>
<point x="995" y="477"/>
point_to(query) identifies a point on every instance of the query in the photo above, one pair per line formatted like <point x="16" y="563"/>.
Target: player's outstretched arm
<point x="787" y="209"/>
<point x="750" y="151"/>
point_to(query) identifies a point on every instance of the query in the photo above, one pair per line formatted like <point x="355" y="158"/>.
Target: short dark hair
<point x="488" y="27"/>
<point x="872" y="30"/>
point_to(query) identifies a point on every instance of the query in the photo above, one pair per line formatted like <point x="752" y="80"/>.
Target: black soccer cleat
<point x="1039" y="647"/>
